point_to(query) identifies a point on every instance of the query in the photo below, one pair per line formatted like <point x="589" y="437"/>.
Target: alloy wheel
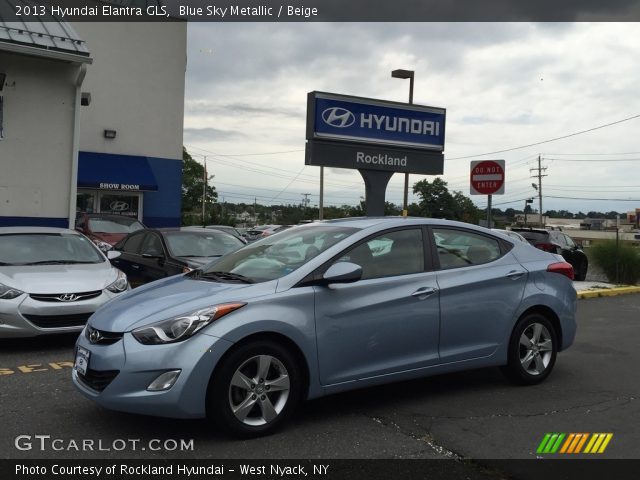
<point x="536" y="349"/>
<point x="259" y="390"/>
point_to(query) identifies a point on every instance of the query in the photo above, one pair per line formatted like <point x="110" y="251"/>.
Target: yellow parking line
<point x="35" y="367"/>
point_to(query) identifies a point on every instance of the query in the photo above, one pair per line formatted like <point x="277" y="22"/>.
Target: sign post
<point x="487" y="178"/>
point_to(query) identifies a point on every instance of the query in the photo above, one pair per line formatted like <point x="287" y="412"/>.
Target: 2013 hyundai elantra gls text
<point x="323" y="308"/>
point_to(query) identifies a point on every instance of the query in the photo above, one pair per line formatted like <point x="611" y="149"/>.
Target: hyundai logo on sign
<point x="338" y="117"/>
<point x="355" y="119"/>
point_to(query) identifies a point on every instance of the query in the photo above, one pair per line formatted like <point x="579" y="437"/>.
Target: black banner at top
<point x="319" y="10"/>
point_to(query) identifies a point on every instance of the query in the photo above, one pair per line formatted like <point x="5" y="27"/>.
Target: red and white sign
<point x="487" y="177"/>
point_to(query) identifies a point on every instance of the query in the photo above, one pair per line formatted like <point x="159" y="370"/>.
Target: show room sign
<point x="370" y="134"/>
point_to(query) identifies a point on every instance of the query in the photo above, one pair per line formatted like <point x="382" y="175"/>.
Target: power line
<point x="550" y="140"/>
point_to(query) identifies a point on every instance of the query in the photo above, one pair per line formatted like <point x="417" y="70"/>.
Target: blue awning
<point x="115" y="172"/>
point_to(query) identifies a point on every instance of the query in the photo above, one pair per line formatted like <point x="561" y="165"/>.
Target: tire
<point x="533" y="348"/>
<point x="581" y="271"/>
<point x="254" y="390"/>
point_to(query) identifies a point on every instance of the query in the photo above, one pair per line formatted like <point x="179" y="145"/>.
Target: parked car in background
<point x="223" y="228"/>
<point x="511" y="233"/>
<point x="323" y="308"/>
<point x="151" y="254"/>
<point x="556" y="241"/>
<point x="106" y="230"/>
<point x="52" y="280"/>
<point x="262" y="231"/>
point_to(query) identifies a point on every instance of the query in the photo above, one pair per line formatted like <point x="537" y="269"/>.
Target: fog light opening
<point x="164" y="381"/>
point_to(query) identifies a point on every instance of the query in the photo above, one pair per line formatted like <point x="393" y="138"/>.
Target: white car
<point x="52" y="280"/>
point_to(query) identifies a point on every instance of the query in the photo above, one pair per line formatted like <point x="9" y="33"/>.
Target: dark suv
<point x="555" y="241"/>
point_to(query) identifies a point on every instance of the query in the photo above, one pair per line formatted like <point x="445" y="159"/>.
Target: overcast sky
<point x="504" y="85"/>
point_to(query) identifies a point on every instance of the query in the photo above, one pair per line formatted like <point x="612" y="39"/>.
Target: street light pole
<point x="404" y="74"/>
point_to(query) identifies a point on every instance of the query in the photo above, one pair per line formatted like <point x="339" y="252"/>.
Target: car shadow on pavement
<point x="41" y="343"/>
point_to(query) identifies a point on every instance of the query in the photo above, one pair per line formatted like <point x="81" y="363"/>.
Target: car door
<point x="152" y="263"/>
<point x="480" y="291"/>
<point x="129" y="249"/>
<point x="386" y="322"/>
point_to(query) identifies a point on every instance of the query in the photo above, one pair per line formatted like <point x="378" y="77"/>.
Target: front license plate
<point x="82" y="360"/>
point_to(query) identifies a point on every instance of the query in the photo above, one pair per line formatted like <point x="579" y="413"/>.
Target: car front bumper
<point x="128" y="367"/>
<point x="26" y="317"/>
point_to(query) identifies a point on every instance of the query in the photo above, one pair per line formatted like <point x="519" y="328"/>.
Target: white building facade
<point x="91" y="120"/>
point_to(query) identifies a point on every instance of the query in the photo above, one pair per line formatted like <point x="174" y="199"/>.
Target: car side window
<point x="569" y="241"/>
<point x="390" y="254"/>
<point x="151" y="245"/>
<point x="132" y="244"/>
<point x="459" y="248"/>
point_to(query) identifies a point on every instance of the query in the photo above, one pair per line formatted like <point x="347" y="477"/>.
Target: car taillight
<point x="562" y="268"/>
<point x="547" y="247"/>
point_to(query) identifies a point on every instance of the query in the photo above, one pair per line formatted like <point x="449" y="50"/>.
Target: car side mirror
<point x="342" y="272"/>
<point x="111" y="254"/>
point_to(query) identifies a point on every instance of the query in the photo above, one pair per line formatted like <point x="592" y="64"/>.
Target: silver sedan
<point x="52" y="280"/>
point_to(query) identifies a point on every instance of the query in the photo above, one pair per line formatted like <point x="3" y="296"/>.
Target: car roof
<point x="14" y="230"/>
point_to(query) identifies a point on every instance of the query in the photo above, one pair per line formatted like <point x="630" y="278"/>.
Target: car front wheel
<point x="255" y="390"/>
<point x="532" y="350"/>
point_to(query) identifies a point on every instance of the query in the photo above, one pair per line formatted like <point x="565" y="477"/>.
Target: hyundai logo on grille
<point x="338" y="117"/>
<point x="68" y="297"/>
<point x="94" y="335"/>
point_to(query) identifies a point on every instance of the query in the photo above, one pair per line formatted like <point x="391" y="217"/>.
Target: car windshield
<point x="114" y="225"/>
<point x="279" y="254"/>
<point x="196" y="244"/>
<point x="47" y="249"/>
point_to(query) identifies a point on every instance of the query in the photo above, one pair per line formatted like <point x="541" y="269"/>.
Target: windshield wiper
<point x="226" y="276"/>
<point x="56" y="262"/>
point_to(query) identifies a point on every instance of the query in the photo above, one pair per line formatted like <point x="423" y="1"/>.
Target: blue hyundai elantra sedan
<point x="323" y="308"/>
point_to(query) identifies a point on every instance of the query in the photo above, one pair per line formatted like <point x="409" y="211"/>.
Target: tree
<point x="436" y="201"/>
<point x="192" y="183"/>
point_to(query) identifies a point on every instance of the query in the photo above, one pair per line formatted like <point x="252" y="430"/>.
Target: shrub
<point x="604" y="256"/>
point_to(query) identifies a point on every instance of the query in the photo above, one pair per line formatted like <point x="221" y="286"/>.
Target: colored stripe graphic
<point x="573" y="443"/>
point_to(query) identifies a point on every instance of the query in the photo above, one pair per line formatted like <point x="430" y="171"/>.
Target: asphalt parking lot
<point x="473" y="415"/>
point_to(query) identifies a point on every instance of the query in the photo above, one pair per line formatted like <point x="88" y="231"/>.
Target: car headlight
<point x="120" y="285"/>
<point x="182" y="327"/>
<point x="104" y="246"/>
<point x="8" y="293"/>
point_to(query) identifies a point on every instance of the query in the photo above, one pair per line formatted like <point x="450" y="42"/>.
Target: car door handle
<point x="515" y="274"/>
<point x="424" y="292"/>
<point x="137" y="267"/>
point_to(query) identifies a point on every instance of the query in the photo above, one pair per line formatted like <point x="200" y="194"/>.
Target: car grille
<point x="98" y="379"/>
<point x="58" y="321"/>
<point x="65" y="297"/>
<point x="100" y="337"/>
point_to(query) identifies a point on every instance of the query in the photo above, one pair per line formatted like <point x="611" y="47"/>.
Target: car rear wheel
<point x="255" y="390"/>
<point x="532" y="350"/>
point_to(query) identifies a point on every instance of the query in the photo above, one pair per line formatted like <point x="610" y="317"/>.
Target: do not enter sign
<point x="487" y="177"/>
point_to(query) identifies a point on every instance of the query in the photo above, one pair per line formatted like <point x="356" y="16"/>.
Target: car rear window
<point x="534" y="237"/>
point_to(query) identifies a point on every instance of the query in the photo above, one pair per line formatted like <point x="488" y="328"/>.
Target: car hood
<point x="59" y="278"/>
<point x="196" y="262"/>
<point x="110" y="238"/>
<point x="167" y="298"/>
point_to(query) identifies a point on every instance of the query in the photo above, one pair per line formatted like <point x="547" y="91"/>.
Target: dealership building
<point x="91" y="119"/>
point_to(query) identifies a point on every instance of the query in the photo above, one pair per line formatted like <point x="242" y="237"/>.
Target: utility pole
<point x="305" y="202"/>
<point x="538" y="187"/>
<point x="204" y="191"/>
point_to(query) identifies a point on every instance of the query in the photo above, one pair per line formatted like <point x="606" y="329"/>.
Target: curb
<point x="608" y="292"/>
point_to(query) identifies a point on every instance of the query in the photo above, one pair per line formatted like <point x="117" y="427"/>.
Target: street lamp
<point x="404" y="74"/>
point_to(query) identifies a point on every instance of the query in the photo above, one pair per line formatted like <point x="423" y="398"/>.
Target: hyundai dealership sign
<point x="365" y="133"/>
